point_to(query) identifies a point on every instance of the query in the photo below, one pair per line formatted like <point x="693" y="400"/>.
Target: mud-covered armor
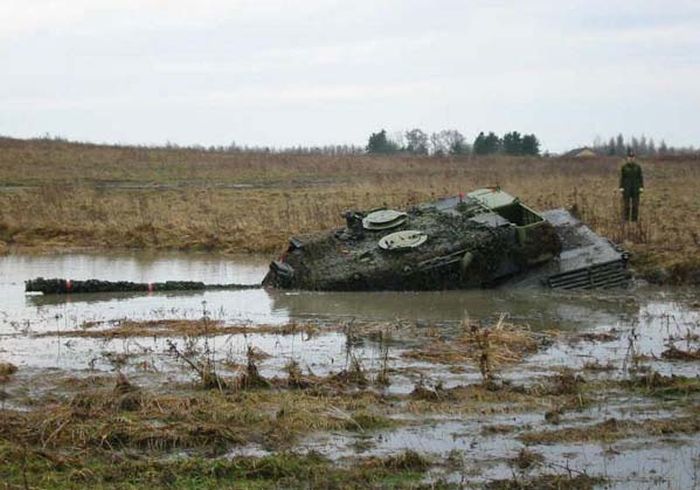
<point x="479" y="240"/>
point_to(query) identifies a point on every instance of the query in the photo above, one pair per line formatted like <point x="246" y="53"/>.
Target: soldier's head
<point x="630" y="154"/>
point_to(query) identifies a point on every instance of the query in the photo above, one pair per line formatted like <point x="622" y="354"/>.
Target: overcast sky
<point x="316" y="72"/>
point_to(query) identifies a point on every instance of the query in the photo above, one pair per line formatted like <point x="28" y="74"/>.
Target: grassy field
<point x="56" y="195"/>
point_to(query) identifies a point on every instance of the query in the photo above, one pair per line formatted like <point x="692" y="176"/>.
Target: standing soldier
<point x="631" y="186"/>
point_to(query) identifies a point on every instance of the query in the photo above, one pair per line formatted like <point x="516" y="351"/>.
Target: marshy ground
<point x="563" y="391"/>
<point x="262" y="389"/>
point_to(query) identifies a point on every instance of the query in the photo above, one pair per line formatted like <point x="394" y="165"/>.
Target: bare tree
<point x="454" y="141"/>
<point x="437" y="145"/>
<point x="416" y="142"/>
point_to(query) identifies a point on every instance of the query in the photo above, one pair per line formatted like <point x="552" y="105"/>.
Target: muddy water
<point x="37" y="312"/>
<point x="24" y="317"/>
<point x="642" y="321"/>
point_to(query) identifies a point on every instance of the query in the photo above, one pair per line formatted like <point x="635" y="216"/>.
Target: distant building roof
<point x="584" y="152"/>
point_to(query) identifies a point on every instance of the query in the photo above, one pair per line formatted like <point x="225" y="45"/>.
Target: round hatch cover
<point x="383" y="219"/>
<point x="403" y="239"/>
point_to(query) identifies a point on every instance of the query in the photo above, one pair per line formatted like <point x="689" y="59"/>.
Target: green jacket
<point x="631" y="179"/>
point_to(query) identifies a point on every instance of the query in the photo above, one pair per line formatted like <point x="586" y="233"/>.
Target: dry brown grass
<point x="120" y="418"/>
<point x="614" y="429"/>
<point x="487" y="347"/>
<point x="676" y="354"/>
<point x="578" y="481"/>
<point x="174" y="327"/>
<point x="59" y="195"/>
<point x="7" y="369"/>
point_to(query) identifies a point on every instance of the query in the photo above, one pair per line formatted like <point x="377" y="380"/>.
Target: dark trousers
<point x="630" y="207"/>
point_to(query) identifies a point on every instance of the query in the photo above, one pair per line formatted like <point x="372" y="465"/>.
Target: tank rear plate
<point x="587" y="260"/>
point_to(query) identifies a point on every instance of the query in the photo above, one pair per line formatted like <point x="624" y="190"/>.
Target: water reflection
<point x="40" y="300"/>
<point x="538" y="308"/>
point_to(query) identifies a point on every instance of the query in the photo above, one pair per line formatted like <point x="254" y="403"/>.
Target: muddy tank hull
<point x="482" y="239"/>
<point x="333" y="264"/>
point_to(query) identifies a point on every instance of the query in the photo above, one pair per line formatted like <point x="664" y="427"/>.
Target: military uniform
<point x="631" y="185"/>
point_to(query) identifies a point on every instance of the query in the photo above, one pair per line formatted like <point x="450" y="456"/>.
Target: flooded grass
<point x="28" y="468"/>
<point x="487" y="347"/>
<point x="196" y="399"/>
<point x="613" y="429"/>
<point x="548" y="482"/>
<point x="125" y="417"/>
<point x="177" y="327"/>
<point x="654" y="384"/>
<point x="674" y="353"/>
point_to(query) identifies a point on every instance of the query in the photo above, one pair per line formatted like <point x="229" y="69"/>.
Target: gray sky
<point x="316" y="72"/>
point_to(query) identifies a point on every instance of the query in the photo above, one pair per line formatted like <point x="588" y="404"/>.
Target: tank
<point x="481" y="239"/>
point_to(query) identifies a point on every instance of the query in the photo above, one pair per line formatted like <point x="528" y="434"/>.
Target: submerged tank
<point x="482" y="239"/>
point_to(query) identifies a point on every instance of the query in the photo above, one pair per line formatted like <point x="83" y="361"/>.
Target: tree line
<point x="618" y="146"/>
<point x="512" y="143"/>
<point x="452" y="142"/>
<point x="418" y="142"/>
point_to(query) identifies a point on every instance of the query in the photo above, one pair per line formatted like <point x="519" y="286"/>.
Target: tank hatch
<point x="402" y="240"/>
<point x="384" y="219"/>
<point x="492" y="198"/>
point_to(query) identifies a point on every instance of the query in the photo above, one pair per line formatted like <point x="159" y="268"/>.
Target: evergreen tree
<point x="512" y="143"/>
<point x="479" y="145"/>
<point x="634" y="144"/>
<point x="619" y="145"/>
<point x="493" y="142"/>
<point x="610" y="150"/>
<point x="379" y="143"/>
<point x="486" y="144"/>
<point x="530" y="145"/>
<point x="643" y="146"/>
